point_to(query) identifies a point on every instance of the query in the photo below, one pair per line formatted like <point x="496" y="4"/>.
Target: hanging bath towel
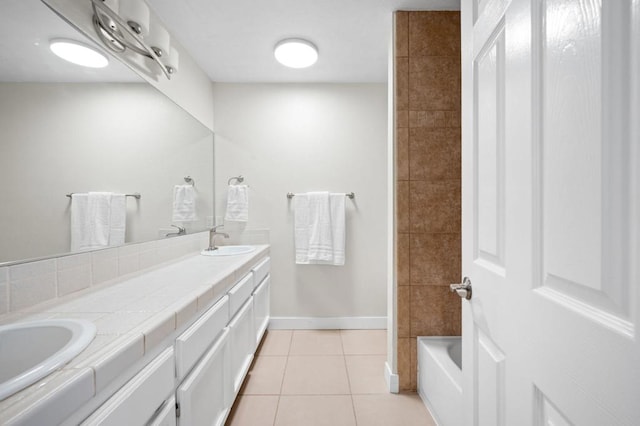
<point x="319" y="228"/>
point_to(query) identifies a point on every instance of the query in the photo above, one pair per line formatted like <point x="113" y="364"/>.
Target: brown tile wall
<point x="427" y="108"/>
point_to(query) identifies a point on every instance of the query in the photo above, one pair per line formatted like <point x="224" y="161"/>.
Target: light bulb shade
<point x="78" y="53"/>
<point x="138" y="12"/>
<point x="296" y="53"/>
<point x="159" y="38"/>
<point x="112" y="4"/>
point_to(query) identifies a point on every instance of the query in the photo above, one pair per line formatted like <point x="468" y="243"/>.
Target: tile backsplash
<point x="24" y="285"/>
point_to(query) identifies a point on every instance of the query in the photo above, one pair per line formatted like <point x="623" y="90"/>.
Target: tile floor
<point x="323" y="377"/>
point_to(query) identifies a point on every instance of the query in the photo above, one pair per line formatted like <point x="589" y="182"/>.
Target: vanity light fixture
<point x="78" y="53"/>
<point x="136" y="30"/>
<point x="296" y="53"/>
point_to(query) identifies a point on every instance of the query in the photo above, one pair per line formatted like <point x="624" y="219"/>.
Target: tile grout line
<point x="286" y="363"/>
<point x="344" y="358"/>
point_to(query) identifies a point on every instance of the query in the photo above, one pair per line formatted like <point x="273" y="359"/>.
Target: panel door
<point x="551" y="147"/>
<point x="242" y="344"/>
<point x="205" y="396"/>
<point x="261" y="306"/>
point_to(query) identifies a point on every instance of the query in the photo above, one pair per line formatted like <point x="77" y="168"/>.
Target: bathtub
<point x="440" y="378"/>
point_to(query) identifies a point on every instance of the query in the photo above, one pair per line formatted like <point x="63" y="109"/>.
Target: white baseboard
<point x="393" y="380"/>
<point x="336" y="323"/>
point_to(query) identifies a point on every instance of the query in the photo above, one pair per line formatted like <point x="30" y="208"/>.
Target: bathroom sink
<point x="32" y="350"/>
<point x="228" y="251"/>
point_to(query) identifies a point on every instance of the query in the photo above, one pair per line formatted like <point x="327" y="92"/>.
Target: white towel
<point x="184" y="203"/>
<point x="98" y="220"/>
<point x="319" y="228"/>
<point x="237" y="203"/>
<point x="118" y="223"/>
<point x="79" y="222"/>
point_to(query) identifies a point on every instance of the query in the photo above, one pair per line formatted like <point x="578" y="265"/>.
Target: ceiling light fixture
<point x="296" y="53"/>
<point x="78" y="53"/>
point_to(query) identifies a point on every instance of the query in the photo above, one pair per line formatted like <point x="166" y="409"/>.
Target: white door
<point x="551" y="212"/>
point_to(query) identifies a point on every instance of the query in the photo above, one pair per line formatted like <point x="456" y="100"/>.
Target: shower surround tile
<point x="402" y="34"/>
<point x="427" y="61"/>
<point x="434" y="83"/>
<point x="434" y="154"/>
<point x="435" y="259"/>
<point x="434" y="34"/>
<point x="435" y="207"/>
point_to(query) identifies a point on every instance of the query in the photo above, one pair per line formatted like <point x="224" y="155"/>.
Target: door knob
<point x="463" y="290"/>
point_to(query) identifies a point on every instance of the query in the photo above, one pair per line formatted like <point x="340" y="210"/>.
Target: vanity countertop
<point x="132" y="316"/>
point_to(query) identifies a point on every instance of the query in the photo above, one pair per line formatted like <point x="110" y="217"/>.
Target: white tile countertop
<point x="132" y="316"/>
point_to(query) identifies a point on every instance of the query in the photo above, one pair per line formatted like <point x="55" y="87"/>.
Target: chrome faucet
<point x="212" y="236"/>
<point x="181" y="231"/>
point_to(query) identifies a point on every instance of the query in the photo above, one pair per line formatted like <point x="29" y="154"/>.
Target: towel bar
<point x="135" y="195"/>
<point x="351" y="195"/>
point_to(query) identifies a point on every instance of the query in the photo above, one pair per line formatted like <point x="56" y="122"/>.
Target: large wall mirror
<point x="69" y="129"/>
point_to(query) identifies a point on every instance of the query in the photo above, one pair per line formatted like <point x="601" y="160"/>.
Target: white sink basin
<point x="32" y="350"/>
<point x="228" y="251"/>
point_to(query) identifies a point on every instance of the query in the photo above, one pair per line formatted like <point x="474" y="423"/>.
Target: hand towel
<point x="319" y="228"/>
<point x="118" y="222"/>
<point x="79" y="222"/>
<point x="98" y="220"/>
<point x="184" y="203"/>
<point x="237" y="203"/>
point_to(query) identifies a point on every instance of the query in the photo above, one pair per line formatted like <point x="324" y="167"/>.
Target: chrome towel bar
<point x="135" y="195"/>
<point x="351" y="195"/>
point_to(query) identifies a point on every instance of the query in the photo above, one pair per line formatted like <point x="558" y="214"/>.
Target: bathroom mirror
<point x="65" y="128"/>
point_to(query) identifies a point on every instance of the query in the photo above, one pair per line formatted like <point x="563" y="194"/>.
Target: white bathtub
<point x="440" y="378"/>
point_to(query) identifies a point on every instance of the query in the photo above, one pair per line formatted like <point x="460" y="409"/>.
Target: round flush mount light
<point x="296" y="53"/>
<point x="78" y="53"/>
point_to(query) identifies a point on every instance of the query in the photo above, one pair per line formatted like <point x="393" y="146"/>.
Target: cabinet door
<point x="261" y="301"/>
<point x="205" y="397"/>
<point x="243" y="343"/>
<point x="191" y="344"/>
<point x="139" y="399"/>
<point x="167" y="414"/>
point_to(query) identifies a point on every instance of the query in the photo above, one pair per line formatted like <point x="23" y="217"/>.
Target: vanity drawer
<point x="261" y="270"/>
<point x="191" y="344"/>
<point x="240" y="293"/>
<point x="137" y="401"/>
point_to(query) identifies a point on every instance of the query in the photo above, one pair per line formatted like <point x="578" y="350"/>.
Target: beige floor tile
<point x="275" y="342"/>
<point x="366" y="373"/>
<point x="253" y="411"/>
<point x="316" y="342"/>
<point x="315" y="375"/>
<point x="364" y="342"/>
<point x="317" y="410"/>
<point x="391" y="410"/>
<point x="265" y="376"/>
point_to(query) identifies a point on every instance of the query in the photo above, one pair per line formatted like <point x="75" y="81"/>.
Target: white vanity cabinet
<point x="205" y="396"/>
<point x="137" y="401"/>
<point x="195" y="381"/>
